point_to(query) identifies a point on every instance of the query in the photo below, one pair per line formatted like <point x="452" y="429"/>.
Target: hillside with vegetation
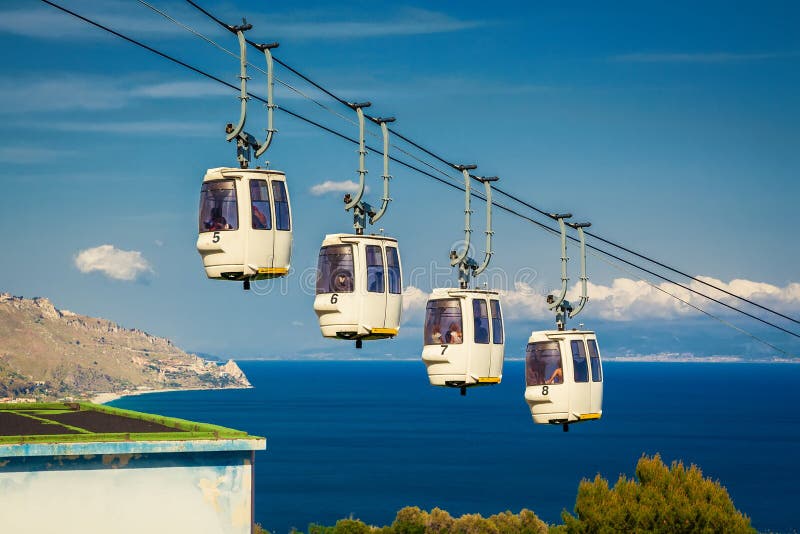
<point x="660" y="499"/>
<point x="48" y="354"/>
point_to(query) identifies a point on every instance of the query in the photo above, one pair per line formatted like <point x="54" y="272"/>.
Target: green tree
<point x="410" y="520"/>
<point x="660" y="499"/>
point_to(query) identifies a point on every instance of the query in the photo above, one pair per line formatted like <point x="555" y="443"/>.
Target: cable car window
<point x="579" y="365"/>
<point x="393" y="270"/>
<point x="443" y="322"/>
<point x="259" y="205"/>
<point x="543" y="363"/>
<point x="497" y="322"/>
<point x="594" y="358"/>
<point x="374" y="269"/>
<point x="335" y="269"/>
<point x="218" y="209"/>
<point x="480" y="314"/>
<point x="282" y="218"/>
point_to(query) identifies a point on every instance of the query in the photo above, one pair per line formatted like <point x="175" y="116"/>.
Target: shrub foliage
<point x="660" y="499"/>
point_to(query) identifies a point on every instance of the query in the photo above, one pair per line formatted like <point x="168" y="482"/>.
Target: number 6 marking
<point x="334" y="298"/>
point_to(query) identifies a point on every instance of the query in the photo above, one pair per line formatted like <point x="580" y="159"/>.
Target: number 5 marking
<point x="215" y="239"/>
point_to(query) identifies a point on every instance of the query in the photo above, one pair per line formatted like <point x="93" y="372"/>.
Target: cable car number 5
<point x="215" y="237"/>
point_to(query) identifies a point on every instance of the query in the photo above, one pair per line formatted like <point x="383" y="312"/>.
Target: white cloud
<point x="114" y="263"/>
<point x="414" y="301"/>
<point x="52" y="24"/>
<point x="329" y="186"/>
<point x="23" y="155"/>
<point x="701" y="57"/>
<point x="326" y="25"/>
<point x="199" y="89"/>
<point x="147" y="127"/>
<point x="626" y="299"/>
<point x="92" y="92"/>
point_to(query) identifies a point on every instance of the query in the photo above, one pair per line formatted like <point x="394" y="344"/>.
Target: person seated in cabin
<point x="436" y="335"/>
<point x="343" y="282"/>
<point x="454" y="335"/>
<point x="557" y="377"/>
<point x="259" y="219"/>
<point x="217" y="221"/>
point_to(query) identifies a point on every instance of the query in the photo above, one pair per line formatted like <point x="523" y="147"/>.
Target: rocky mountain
<point x="47" y="353"/>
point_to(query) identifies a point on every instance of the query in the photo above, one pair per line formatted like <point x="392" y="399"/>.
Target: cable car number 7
<point x="444" y="348"/>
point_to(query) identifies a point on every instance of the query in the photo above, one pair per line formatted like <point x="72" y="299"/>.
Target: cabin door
<point x="257" y="225"/>
<point x="373" y="313"/>
<point x="580" y="389"/>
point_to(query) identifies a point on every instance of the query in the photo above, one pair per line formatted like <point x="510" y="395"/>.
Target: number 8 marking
<point x="545" y="390"/>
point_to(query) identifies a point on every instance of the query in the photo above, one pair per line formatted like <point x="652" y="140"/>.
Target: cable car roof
<point x="220" y="173"/>
<point x="444" y="292"/>
<point x="560" y="334"/>
<point x="333" y="239"/>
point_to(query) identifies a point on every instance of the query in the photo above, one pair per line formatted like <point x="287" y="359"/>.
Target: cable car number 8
<point x="545" y="390"/>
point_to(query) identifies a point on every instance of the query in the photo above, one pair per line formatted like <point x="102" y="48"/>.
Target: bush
<point x="660" y="499"/>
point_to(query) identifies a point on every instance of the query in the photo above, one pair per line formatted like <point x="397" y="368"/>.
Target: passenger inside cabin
<point x="217" y="221"/>
<point x="557" y="377"/>
<point x="343" y="282"/>
<point x="436" y="335"/>
<point x="453" y="335"/>
<point x="259" y="219"/>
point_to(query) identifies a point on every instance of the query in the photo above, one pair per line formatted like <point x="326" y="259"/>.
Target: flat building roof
<point x="77" y="427"/>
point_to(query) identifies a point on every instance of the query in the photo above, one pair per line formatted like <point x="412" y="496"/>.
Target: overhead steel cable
<point x="510" y="195"/>
<point x="408" y="165"/>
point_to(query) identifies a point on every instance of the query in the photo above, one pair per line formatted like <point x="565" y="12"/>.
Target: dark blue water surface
<point x="367" y="438"/>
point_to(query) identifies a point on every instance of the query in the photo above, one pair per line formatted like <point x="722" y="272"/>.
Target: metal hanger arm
<point x="386" y="176"/>
<point x="267" y="49"/>
<point x="487" y="183"/>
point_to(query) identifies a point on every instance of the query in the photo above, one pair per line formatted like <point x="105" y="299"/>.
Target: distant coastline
<point x="105" y="398"/>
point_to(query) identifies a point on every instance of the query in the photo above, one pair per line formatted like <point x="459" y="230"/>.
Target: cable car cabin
<point x="463" y="338"/>
<point x="564" y="377"/>
<point x="245" y="224"/>
<point x="359" y="287"/>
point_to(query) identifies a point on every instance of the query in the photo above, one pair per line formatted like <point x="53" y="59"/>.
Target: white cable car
<point x="245" y="224"/>
<point x="359" y="277"/>
<point x="563" y="377"/>
<point x="245" y="219"/>
<point x="359" y="287"/>
<point x="464" y="339"/>
<point x="563" y="370"/>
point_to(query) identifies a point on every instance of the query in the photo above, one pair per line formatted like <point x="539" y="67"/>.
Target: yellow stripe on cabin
<point x="589" y="416"/>
<point x="489" y="380"/>
<point x="384" y="331"/>
<point x="273" y="270"/>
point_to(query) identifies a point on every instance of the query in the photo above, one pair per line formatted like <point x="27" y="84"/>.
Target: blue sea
<point x="364" y="439"/>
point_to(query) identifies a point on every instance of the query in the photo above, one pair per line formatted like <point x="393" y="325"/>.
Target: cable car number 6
<point x="334" y="298"/>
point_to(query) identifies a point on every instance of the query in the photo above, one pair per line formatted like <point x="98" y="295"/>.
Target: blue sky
<point x="672" y="127"/>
